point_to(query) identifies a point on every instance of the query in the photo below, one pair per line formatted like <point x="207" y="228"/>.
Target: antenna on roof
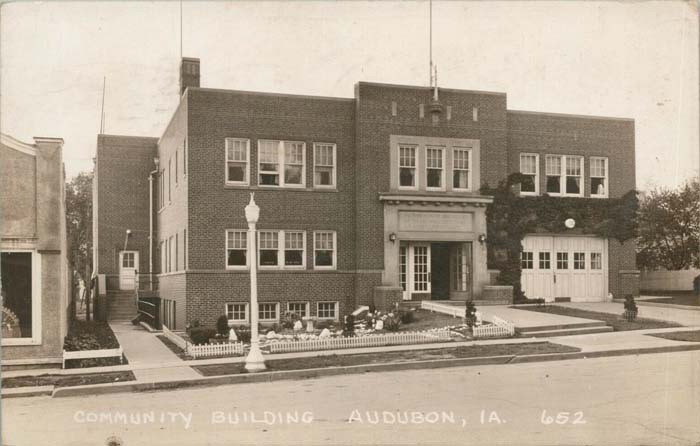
<point x="180" y="29"/>
<point x="430" y="44"/>
<point x="102" y="114"/>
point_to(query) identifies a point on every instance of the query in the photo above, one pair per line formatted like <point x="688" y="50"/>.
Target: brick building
<point x="33" y="267"/>
<point x="367" y="199"/>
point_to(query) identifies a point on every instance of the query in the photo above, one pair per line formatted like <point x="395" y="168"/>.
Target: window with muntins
<point x="544" y="260"/>
<point x="267" y="312"/>
<point x="574" y="173"/>
<point x="298" y="308"/>
<point x="596" y="260"/>
<point x="599" y="177"/>
<point x="268" y="163"/>
<point x="237" y="161"/>
<point x="327" y="310"/>
<point x="269" y="246"/>
<point x="553" y="173"/>
<point x="236" y="249"/>
<point x="529" y="169"/>
<point x="434" y="168"/>
<point x="324" y="165"/>
<point x="281" y="163"/>
<point x="407" y="167"/>
<point x="461" y="162"/>
<point x="527" y="260"/>
<point x="562" y="260"/>
<point x="324" y="250"/>
<point x="293" y="163"/>
<point x="294" y="248"/>
<point x="579" y="260"/>
<point x="237" y="312"/>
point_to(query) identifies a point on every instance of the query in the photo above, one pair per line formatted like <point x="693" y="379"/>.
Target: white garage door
<point x="569" y="267"/>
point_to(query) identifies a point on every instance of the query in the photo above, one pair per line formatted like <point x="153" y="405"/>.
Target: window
<point x="177" y="252"/>
<point x="324" y="250"/>
<point x="170" y="176"/>
<point x="324" y="165"/>
<point x="268" y="245"/>
<point x="327" y="310"/>
<point x="236" y="249"/>
<point x="403" y="264"/>
<point x="579" y="260"/>
<point x="274" y="154"/>
<point x="301" y="309"/>
<point x="172" y="250"/>
<point x="184" y="249"/>
<point x="461" y="162"/>
<point x="267" y="312"/>
<point x="544" y="260"/>
<point x="177" y="152"/>
<point x="21" y="298"/>
<point x="128" y="260"/>
<point x="434" y="168"/>
<point x="599" y="177"/>
<point x="553" y="172"/>
<point x="573" y="175"/>
<point x="294" y="248"/>
<point x="529" y="167"/>
<point x="562" y="260"/>
<point x="407" y="167"/>
<point x="526" y="260"/>
<point x="184" y="156"/>
<point x="237" y="161"/>
<point x="237" y="313"/>
<point x="596" y="260"/>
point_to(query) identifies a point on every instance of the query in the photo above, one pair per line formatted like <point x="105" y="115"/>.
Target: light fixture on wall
<point x="392" y="237"/>
<point x="482" y="238"/>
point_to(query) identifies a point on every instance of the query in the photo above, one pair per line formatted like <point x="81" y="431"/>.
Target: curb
<point x="18" y="392"/>
<point x="670" y="306"/>
<point x="603" y="353"/>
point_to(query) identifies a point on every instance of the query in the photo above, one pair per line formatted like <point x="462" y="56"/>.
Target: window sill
<point x="280" y="188"/>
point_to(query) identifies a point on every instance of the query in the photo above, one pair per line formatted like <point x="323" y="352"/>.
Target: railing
<point x="90" y="354"/>
<point x="145" y="281"/>
<point x="174" y="338"/>
<point x="360" y="341"/>
<point x="499" y="328"/>
<point x="452" y="310"/>
<point x="149" y="309"/>
<point x="206" y="350"/>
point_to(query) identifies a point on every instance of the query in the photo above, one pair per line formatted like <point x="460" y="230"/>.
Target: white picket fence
<point x="499" y="328"/>
<point x="371" y="340"/>
<point x="206" y="350"/>
<point x="203" y="350"/>
<point x="451" y="310"/>
<point x="90" y="354"/>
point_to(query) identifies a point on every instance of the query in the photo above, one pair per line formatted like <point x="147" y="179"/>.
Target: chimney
<point x="189" y="73"/>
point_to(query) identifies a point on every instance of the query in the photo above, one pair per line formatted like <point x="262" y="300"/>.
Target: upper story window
<point x="236" y="249"/>
<point x="564" y="175"/>
<point x="461" y="175"/>
<point x="286" y="249"/>
<point x="237" y="161"/>
<point x="324" y="250"/>
<point x="529" y="167"/>
<point x="324" y="165"/>
<point x="599" y="177"/>
<point x="407" y="167"/>
<point x="434" y="169"/>
<point x="281" y="163"/>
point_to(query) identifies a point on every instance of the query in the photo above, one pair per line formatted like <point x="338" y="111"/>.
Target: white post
<point x="254" y="362"/>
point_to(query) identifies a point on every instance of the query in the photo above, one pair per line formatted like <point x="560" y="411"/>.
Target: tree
<point x="79" y="229"/>
<point x="669" y="228"/>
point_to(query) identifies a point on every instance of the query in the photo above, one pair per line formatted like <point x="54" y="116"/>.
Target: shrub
<point x="201" y="335"/>
<point x="470" y="314"/>
<point x="289" y="318"/>
<point x="630" y="304"/>
<point x="349" y="328"/>
<point x="372" y="309"/>
<point x="243" y="333"/>
<point x="392" y="322"/>
<point x="193" y="324"/>
<point x="407" y="317"/>
<point x="222" y="325"/>
<point x="321" y="324"/>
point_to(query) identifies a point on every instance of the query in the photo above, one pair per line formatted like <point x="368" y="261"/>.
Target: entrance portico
<point x="433" y="245"/>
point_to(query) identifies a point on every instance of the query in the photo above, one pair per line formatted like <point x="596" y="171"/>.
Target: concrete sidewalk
<point x="677" y="315"/>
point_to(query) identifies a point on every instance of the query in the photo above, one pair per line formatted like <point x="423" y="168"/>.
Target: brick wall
<point x="122" y="167"/>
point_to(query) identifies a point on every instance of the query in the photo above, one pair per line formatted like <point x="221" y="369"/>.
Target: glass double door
<point x="415" y="269"/>
<point x="429" y="268"/>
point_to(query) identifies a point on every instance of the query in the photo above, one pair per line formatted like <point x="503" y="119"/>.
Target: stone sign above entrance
<point x="417" y="221"/>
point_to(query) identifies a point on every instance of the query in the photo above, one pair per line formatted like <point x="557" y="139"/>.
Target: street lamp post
<point x="254" y="362"/>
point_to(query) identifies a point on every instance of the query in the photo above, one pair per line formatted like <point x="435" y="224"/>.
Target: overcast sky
<point x="623" y="59"/>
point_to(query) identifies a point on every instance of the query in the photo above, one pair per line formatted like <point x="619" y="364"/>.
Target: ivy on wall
<point x="510" y="217"/>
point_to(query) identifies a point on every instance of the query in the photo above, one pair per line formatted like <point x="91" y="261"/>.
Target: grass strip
<point x="616" y="321"/>
<point x="67" y="380"/>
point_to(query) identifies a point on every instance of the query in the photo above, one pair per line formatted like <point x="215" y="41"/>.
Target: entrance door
<point x="414" y="269"/>
<point x="461" y="271"/>
<point x="128" y="264"/>
<point x="566" y="267"/>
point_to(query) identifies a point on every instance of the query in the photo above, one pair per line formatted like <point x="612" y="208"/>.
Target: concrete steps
<point x="121" y="305"/>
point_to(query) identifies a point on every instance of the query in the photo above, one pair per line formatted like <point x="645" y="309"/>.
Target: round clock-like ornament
<point x="570" y="223"/>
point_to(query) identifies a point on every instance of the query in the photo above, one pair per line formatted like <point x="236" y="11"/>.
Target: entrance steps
<point x="564" y="329"/>
<point x="121" y="305"/>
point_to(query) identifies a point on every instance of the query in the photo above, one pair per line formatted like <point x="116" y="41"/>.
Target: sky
<point x="622" y="59"/>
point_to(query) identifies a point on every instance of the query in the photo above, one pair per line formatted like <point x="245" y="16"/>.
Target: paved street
<point x="647" y="399"/>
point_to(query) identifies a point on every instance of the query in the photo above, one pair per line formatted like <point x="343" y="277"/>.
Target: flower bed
<point x="91" y="344"/>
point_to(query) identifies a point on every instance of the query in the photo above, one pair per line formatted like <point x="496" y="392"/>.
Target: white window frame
<point x="442" y="150"/>
<point x="283" y="248"/>
<point x="582" y="189"/>
<point x="562" y="169"/>
<point x="606" y="186"/>
<point x="281" y="242"/>
<point x="416" y="167"/>
<point x="36" y="302"/>
<point x="334" y="166"/>
<point x="226" y="249"/>
<point x="468" y="170"/>
<point x="530" y="260"/>
<point x="307" y="308"/>
<point x="281" y="164"/>
<point x="228" y="141"/>
<point x="246" y="313"/>
<point x="336" y="308"/>
<point x="335" y="251"/>
<point x="277" y="311"/>
<point x="537" y="173"/>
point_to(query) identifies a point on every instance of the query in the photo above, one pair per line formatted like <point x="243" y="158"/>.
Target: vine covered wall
<point x="510" y="217"/>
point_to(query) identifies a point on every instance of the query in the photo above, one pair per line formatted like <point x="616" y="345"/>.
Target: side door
<point x="128" y="264"/>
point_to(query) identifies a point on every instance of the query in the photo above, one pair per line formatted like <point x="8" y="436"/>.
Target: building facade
<point x="366" y="199"/>
<point x="33" y="253"/>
